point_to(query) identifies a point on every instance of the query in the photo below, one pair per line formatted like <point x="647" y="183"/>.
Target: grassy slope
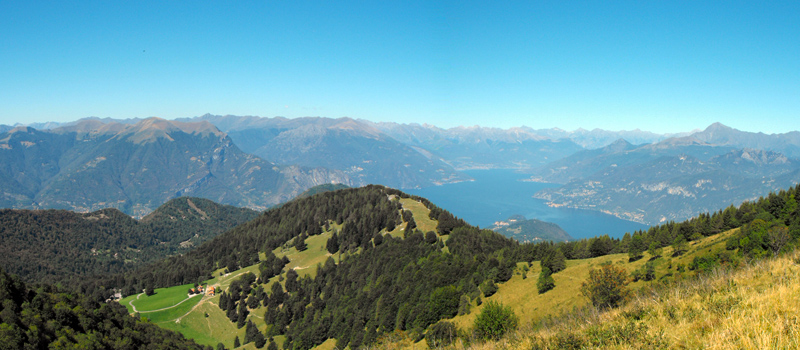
<point x="424" y="223"/>
<point x="522" y="295"/>
<point x="755" y="307"/>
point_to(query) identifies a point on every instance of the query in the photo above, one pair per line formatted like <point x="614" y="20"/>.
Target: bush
<point x="489" y="288"/>
<point x="441" y="334"/>
<point x="606" y="286"/>
<point x="649" y="271"/>
<point x="494" y="321"/>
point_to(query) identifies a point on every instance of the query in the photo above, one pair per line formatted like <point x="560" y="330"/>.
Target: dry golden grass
<point x="756" y="307"/>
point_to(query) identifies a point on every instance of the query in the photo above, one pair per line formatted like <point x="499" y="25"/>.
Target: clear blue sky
<point x="662" y="66"/>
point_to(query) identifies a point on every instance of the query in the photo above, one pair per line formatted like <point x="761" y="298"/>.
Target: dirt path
<point x="134" y="306"/>
<point x="205" y="297"/>
<point x="168" y="307"/>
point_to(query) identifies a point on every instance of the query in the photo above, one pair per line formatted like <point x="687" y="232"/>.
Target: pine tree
<point x="242" y="314"/>
<point x="554" y="260"/>
<point x="291" y="281"/>
<point x="546" y="281"/>
<point x="300" y="242"/>
<point x="333" y="244"/>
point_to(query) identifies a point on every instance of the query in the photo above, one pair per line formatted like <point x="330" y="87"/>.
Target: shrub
<point x="489" y="288"/>
<point x="606" y="286"/>
<point x="441" y="334"/>
<point x="649" y="271"/>
<point x="494" y="321"/>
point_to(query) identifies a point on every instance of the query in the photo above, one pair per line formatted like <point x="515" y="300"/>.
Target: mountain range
<point x="357" y="149"/>
<point x="137" y="164"/>
<point x="673" y="179"/>
<point x="93" y="165"/>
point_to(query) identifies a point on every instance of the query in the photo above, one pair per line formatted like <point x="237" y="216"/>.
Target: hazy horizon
<point x="665" y="67"/>
<point x="67" y="122"/>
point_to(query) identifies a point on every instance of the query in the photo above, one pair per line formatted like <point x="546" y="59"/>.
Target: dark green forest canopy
<point x="59" y="245"/>
<point x="47" y="317"/>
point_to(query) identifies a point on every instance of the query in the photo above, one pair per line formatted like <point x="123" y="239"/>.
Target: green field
<point x="164" y="297"/>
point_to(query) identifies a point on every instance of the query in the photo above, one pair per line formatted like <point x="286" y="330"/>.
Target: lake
<point x="497" y="194"/>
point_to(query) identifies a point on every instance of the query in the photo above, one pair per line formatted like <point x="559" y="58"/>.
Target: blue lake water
<point x="497" y="194"/>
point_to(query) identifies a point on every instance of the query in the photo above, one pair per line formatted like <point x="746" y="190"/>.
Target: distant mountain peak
<point x="619" y="145"/>
<point x="354" y="126"/>
<point x="22" y="129"/>
<point x="718" y="128"/>
<point x="152" y="129"/>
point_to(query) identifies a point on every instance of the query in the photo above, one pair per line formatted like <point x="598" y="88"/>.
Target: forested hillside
<point x="47" y="317"/>
<point x="57" y="245"/>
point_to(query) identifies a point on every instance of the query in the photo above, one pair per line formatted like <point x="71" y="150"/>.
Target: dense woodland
<point x="58" y="245"/>
<point x="47" y="317"/>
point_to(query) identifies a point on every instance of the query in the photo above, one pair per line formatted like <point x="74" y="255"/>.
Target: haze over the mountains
<point x="138" y="164"/>
<point x="93" y="165"/>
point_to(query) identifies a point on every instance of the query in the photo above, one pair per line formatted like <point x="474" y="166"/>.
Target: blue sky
<point x="662" y="66"/>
